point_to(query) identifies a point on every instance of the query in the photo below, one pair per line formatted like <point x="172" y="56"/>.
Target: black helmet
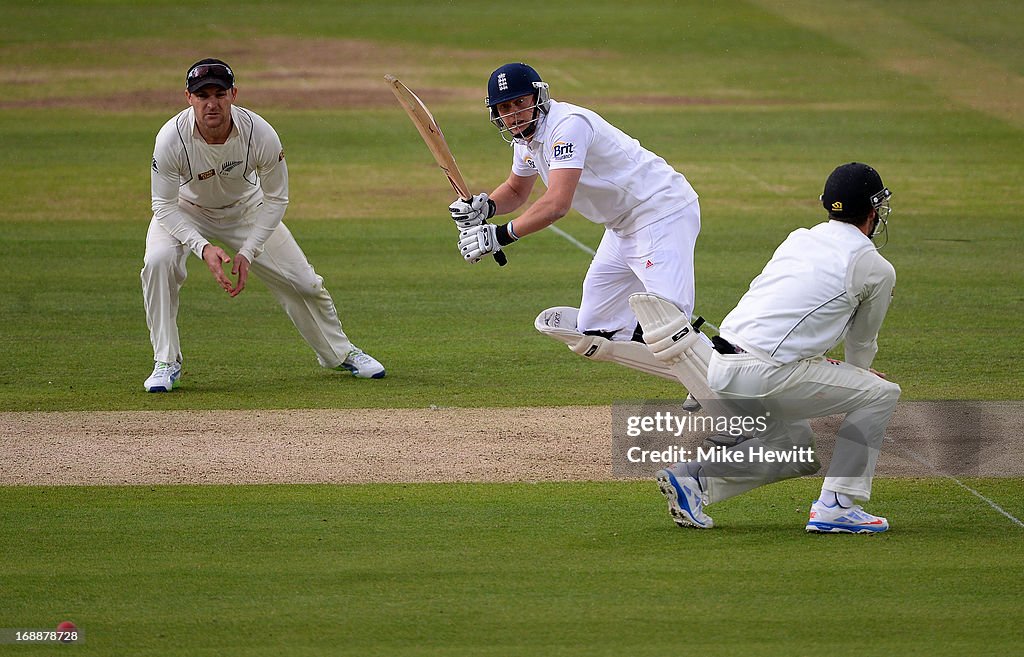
<point x="852" y="191"/>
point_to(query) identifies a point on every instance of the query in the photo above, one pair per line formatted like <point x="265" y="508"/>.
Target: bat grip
<point x="499" y="257"/>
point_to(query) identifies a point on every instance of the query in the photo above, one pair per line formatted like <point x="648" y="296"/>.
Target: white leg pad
<point x="674" y="342"/>
<point x="560" y="324"/>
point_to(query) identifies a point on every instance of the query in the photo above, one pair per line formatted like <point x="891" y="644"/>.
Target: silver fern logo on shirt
<point x="228" y="166"/>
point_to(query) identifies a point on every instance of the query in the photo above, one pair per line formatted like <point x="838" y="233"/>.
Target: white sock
<point x="832" y="498"/>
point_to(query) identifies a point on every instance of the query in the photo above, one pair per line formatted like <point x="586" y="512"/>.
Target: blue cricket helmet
<point x="512" y="81"/>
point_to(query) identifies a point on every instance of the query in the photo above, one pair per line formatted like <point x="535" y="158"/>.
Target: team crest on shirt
<point x="228" y="166"/>
<point x="528" y="161"/>
<point x="562" y="150"/>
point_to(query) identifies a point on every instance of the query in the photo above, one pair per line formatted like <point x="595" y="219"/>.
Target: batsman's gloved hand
<point x="477" y="241"/>
<point x="473" y="212"/>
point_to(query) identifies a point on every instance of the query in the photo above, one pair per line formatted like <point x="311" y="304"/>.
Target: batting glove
<point x="473" y="212"/>
<point x="477" y="241"/>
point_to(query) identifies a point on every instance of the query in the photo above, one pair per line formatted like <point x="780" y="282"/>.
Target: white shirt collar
<point x="842" y="225"/>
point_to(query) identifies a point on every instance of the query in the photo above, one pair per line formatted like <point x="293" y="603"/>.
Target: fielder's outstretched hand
<point x="241" y="270"/>
<point x="477" y="241"/>
<point x="215" y="259"/>
<point x="473" y="212"/>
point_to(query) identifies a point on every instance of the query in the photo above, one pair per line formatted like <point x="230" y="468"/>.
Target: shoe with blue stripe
<point x="837" y="519"/>
<point x="164" y="377"/>
<point x="362" y="365"/>
<point x="685" y="500"/>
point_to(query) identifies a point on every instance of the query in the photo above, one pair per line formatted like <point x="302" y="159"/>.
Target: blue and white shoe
<point x="685" y="500"/>
<point x="164" y="377"/>
<point x="362" y="365"/>
<point x="841" y="520"/>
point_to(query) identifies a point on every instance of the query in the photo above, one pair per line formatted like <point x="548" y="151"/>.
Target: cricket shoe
<point x="685" y="500"/>
<point x="164" y="377"/>
<point x="362" y="365"/>
<point x="841" y="520"/>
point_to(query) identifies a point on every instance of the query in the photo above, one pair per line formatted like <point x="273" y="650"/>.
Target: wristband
<point x="504" y="234"/>
<point x="492" y="209"/>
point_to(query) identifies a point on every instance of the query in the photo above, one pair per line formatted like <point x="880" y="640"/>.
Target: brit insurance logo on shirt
<point x="562" y="151"/>
<point x="528" y="161"/>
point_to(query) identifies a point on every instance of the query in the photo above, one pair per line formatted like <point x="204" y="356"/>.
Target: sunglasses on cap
<point x="212" y="71"/>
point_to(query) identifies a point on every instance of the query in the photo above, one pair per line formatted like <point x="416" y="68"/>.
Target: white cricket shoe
<point x="840" y="520"/>
<point x="164" y="377"/>
<point x="685" y="500"/>
<point x="362" y="365"/>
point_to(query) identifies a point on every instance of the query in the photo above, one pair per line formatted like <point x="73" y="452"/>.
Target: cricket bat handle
<point x="463" y="192"/>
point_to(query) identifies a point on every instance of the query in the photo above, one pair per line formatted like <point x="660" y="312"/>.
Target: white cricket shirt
<point x="222" y="181"/>
<point x="821" y="285"/>
<point x="623" y="185"/>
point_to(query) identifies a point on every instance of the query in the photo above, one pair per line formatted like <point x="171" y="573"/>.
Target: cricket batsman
<point x="649" y="211"/>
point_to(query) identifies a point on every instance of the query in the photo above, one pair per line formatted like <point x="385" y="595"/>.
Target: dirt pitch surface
<point x="429" y="445"/>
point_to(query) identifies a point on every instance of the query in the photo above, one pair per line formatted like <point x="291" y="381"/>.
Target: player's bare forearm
<point x="552" y="206"/>
<point x="505" y="200"/>
<point x="512" y="194"/>
<point x="539" y="216"/>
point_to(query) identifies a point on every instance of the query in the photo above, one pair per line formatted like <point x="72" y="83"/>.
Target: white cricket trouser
<point x="282" y="266"/>
<point x="814" y="387"/>
<point x="656" y="259"/>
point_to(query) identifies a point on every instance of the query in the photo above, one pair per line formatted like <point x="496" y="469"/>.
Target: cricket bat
<point x="434" y="139"/>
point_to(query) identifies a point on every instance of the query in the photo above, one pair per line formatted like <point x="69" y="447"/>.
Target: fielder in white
<point x="649" y="210"/>
<point x="219" y="173"/>
<point x="822" y="286"/>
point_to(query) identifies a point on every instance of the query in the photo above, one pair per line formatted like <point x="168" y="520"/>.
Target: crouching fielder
<point x="822" y="285"/>
<point x="219" y="173"/>
<point x="649" y="211"/>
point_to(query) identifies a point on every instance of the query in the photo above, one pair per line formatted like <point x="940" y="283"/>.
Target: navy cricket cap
<point x="209" y="71"/>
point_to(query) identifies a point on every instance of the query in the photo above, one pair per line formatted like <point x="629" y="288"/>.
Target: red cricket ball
<point x="66" y="626"/>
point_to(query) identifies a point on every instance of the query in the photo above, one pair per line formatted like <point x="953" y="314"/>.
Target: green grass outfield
<point x="754" y="101"/>
<point x="524" y="569"/>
